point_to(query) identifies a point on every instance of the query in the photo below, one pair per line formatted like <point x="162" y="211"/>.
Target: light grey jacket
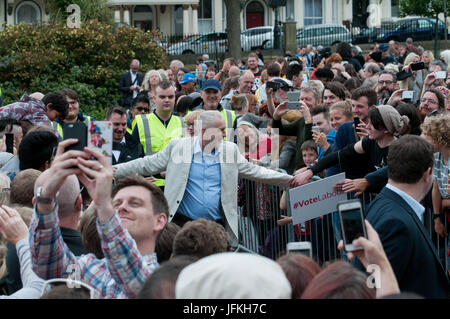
<point x="176" y="160"/>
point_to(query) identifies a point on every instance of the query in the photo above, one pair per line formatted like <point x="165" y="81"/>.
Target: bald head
<point x="37" y="95"/>
<point x="246" y="81"/>
<point x="67" y="195"/>
<point x="134" y="66"/>
<point x="234" y="71"/>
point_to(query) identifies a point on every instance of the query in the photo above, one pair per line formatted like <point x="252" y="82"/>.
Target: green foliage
<point x="88" y="60"/>
<point x="90" y="9"/>
<point x="426" y="8"/>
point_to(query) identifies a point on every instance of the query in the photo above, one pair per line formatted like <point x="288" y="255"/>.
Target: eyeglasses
<point x="143" y="109"/>
<point x="189" y="124"/>
<point x="429" y="101"/>
<point x="385" y="82"/>
<point x="51" y="283"/>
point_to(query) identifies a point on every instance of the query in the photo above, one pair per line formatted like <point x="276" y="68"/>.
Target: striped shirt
<point x="120" y="274"/>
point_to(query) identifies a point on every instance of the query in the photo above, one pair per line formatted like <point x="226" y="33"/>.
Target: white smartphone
<point x="440" y="74"/>
<point x="293" y="96"/>
<point x="352" y="222"/>
<point x="408" y="95"/>
<point x="300" y="247"/>
<point x="100" y="138"/>
<point x="293" y="105"/>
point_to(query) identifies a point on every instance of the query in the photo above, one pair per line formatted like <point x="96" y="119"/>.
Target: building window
<point x="205" y="12"/>
<point x="394" y="10"/>
<point x="179" y="20"/>
<point x="313" y="12"/>
<point x="28" y="12"/>
<point x="290" y="10"/>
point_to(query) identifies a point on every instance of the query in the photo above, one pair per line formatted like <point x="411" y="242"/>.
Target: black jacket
<point x="408" y="246"/>
<point x="124" y="87"/>
<point x="131" y="150"/>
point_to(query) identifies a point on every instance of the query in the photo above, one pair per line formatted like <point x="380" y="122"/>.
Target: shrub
<point x="88" y="60"/>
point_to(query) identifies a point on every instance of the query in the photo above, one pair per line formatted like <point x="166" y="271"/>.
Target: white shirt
<point x="116" y="153"/>
<point x="133" y="77"/>
<point x="415" y="205"/>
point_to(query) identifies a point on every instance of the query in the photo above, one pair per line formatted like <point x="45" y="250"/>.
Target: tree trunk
<point x="234" y="28"/>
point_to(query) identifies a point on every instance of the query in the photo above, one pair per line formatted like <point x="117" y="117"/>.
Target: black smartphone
<point x="356" y="122"/>
<point x="76" y="130"/>
<point x="403" y="75"/>
<point x="273" y="85"/>
<point x="420" y="65"/>
<point x="9" y="142"/>
<point x="352" y="222"/>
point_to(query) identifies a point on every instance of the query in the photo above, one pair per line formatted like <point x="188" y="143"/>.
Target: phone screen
<point x="356" y="121"/>
<point x="76" y="130"/>
<point x="9" y="142"/>
<point x="352" y="225"/>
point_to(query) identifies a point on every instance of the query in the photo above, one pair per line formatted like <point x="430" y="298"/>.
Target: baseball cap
<point x="188" y="77"/>
<point x="383" y="47"/>
<point x="211" y="84"/>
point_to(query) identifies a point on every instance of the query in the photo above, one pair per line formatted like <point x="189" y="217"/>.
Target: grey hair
<point x="439" y="62"/>
<point x="145" y="83"/>
<point x="314" y="87"/>
<point x="163" y="74"/>
<point x="206" y="119"/>
<point x="394" y="76"/>
<point x="177" y="63"/>
<point x="373" y="68"/>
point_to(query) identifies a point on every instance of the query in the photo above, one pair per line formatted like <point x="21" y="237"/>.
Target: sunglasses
<point x="143" y="109"/>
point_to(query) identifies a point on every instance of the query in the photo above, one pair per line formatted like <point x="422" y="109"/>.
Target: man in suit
<point x="202" y="174"/>
<point x="129" y="84"/>
<point x="397" y="216"/>
<point x="125" y="147"/>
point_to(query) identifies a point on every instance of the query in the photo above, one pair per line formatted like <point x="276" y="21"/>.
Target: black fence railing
<point x="259" y="210"/>
<point x="419" y="29"/>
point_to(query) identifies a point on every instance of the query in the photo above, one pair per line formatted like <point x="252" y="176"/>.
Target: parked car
<point x="370" y="35"/>
<point x="416" y="28"/>
<point x="199" y="44"/>
<point x="258" y="37"/>
<point x="323" y="34"/>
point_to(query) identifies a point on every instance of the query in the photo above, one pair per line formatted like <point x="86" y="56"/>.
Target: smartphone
<point x="100" y="138"/>
<point x="356" y="121"/>
<point x="420" y="65"/>
<point x="408" y="95"/>
<point x="273" y="85"/>
<point x="292" y="105"/>
<point x="293" y="96"/>
<point x="305" y="78"/>
<point x="440" y="74"/>
<point x="352" y="222"/>
<point x="9" y="142"/>
<point x="76" y="130"/>
<point x="300" y="247"/>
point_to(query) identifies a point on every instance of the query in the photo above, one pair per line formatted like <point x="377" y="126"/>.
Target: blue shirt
<point x="415" y="205"/>
<point x="201" y="198"/>
<point x="330" y="139"/>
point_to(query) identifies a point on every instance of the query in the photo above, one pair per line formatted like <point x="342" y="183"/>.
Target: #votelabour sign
<point x="315" y="199"/>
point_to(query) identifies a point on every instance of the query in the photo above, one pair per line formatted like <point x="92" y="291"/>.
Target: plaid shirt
<point x="120" y="274"/>
<point x="29" y="109"/>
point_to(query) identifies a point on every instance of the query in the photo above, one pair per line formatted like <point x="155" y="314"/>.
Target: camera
<point x="273" y="85"/>
<point x="420" y="65"/>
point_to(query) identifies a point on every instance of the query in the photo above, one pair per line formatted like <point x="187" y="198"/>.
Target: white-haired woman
<point x="151" y="79"/>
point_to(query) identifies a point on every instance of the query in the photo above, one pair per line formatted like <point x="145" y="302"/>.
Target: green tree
<point x="101" y="10"/>
<point x="426" y="8"/>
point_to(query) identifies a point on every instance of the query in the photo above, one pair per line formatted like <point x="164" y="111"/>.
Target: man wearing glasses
<point x="387" y="82"/>
<point x="125" y="147"/>
<point x="432" y="101"/>
<point x="141" y="105"/>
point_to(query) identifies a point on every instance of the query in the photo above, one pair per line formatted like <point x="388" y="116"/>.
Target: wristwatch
<point x="44" y="200"/>
<point x="436" y="216"/>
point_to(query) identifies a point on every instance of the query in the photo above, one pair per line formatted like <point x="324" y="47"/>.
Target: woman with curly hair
<point x="435" y="130"/>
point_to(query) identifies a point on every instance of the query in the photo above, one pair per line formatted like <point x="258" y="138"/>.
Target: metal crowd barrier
<point x="259" y="211"/>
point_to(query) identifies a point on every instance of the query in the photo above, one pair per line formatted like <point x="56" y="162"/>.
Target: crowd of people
<point x="162" y="220"/>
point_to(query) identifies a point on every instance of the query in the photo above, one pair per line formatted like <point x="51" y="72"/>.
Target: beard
<point x="71" y="117"/>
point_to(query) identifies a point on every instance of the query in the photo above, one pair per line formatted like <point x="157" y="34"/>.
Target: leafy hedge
<point x="88" y="60"/>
